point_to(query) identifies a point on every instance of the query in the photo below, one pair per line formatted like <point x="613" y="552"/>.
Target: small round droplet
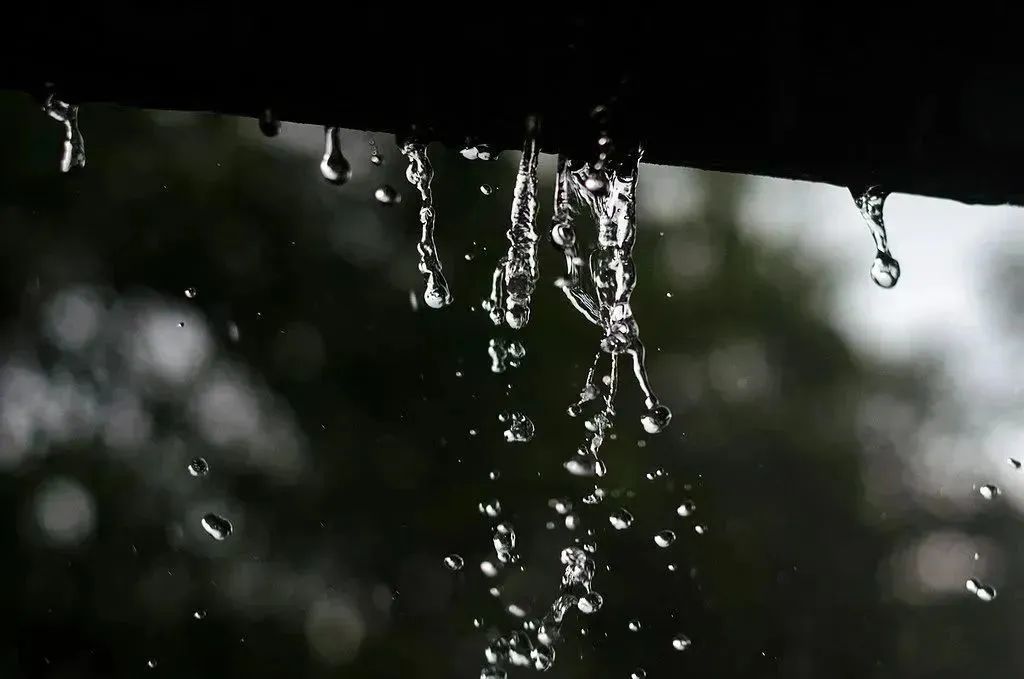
<point x="198" y="467"/>
<point x="376" y="159"/>
<point x="638" y="673"/>
<point x="988" y="491"/>
<point x="477" y="622"/>
<point x="1013" y="462"/>
<point x="494" y="475"/>
<point x="199" y="614"/>
<point x="620" y="519"/>
<point x="672" y="567"/>
<point x="687" y="508"/>
<point x="151" y="663"/>
<point x="218" y="527"/>
<point x="191" y="293"/>
<point x="387" y="195"/>
<point x="664" y="538"/>
<point x="634" y="625"/>
<point x="656" y="419"/>
<point x="562" y="505"/>
<point x="454" y="562"/>
<point x="486" y="189"/>
<point x="681" y="642"/>
<point x="590" y="602"/>
<point x="885" y="270"/>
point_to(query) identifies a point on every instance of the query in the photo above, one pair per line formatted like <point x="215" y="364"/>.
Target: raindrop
<point x="494" y="475"/>
<point x="681" y="642"/>
<point x="269" y="124"/>
<point x="572" y="521"/>
<point x="672" y="567"/>
<point x="74" y="144"/>
<point x="988" y="491"/>
<point x="376" y="159"/>
<point x="199" y="614"/>
<point x="191" y="293"/>
<point x="477" y="622"/>
<point x="151" y="664"/>
<point x="620" y="519"/>
<point x="488" y="569"/>
<point x="664" y="538"/>
<point x="656" y="419"/>
<point x="198" y="467"/>
<point x="700" y="529"/>
<point x="656" y="473"/>
<point x="504" y="539"/>
<point x="638" y="673"/>
<point x="1013" y="462"/>
<point x="634" y="625"/>
<point x="334" y="166"/>
<point x="420" y="174"/>
<point x="387" y="195"/>
<point x="686" y="509"/>
<point x="486" y="189"/>
<point x="590" y="602"/>
<point x="562" y="505"/>
<point x="495" y="592"/>
<point x="454" y="562"/>
<point x="885" y="270"/>
<point x="516" y="610"/>
<point x="519" y="427"/>
<point x="218" y="527"/>
<point x="490" y="508"/>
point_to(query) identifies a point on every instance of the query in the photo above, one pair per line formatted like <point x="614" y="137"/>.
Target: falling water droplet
<point x="885" y="270"/>
<point x="493" y="673"/>
<point x="634" y="625"/>
<point x="700" y="529"/>
<point x="191" y="293"/>
<point x="681" y="642"/>
<point x="218" y="527"/>
<point x="519" y="427"/>
<point x="420" y="174"/>
<point x="504" y="539"/>
<point x="687" y="508"/>
<point x="664" y="538"/>
<point x="490" y="508"/>
<point x="199" y="614"/>
<point x="572" y="521"/>
<point x="988" y="491"/>
<point x="656" y="419"/>
<point x="494" y="475"/>
<point x="486" y="189"/>
<point x="562" y="505"/>
<point x="505" y="354"/>
<point x="74" y="144"/>
<point x="984" y="592"/>
<point x="387" y="195"/>
<point x="1013" y="462"/>
<point x="638" y="673"/>
<point x="198" y="467"/>
<point x="334" y="166"/>
<point x="590" y="602"/>
<point x="269" y="124"/>
<point x="488" y="569"/>
<point x="620" y="519"/>
<point x="453" y="562"/>
<point x="151" y="663"/>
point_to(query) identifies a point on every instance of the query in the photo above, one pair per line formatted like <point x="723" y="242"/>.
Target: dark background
<point x="337" y="429"/>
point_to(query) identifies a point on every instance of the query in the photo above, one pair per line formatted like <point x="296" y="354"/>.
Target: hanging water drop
<point x="590" y="603"/>
<point x="681" y="642"/>
<point x="74" y="144"/>
<point x="620" y="519"/>
<point x="519" y="427"/>
<point x="387" y="195"/>
<point x="334" y="166"/>
<point x="269" y="124"/>
<point x="633" y="625"/>
<point x="988" y="491"/>
<point x="198" y="467"/>
<point x="420" y="174"/>
<point x="218" y="527"/>
<point x="687" y="508"/>
<point x="885" y="270"/>
<point x="453" y="562"/>
<point x="656" y="419"/>
<point x="664" y="538"/>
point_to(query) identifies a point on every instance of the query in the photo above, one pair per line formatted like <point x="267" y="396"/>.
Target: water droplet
<point x="656" y="473"/>
<point x="151" y="664"/>
<point x="486" y="189"/>
<point x="1013" y="462"/>
<point x="270" y="126"/>
<point x="595" y="183"/>
<point x="477" y="622"/>
<point x="585" y="466"/>
<point x="594" y="497"/>
<point x="334" y="166"/>
<point x="479" y="152"/>
<point x="634" y="625"/>
<point x="562" y="505"/>
<point x="199" y="614"/>
<point x="181" y="324"/>
<point x="490" y="508"/>
<point x="420" y="174"/>
<point x="494" y="475"/>
<point x="454" y="562"/>
<point x="218" y="527"/>
<point x="638" y="673"/>
<point x="885" y="270"/>
<point x="516" y="610"/>
<point x="504" y="539"/>
<point x="620" y="519"/>
<point x="495" y="592"/>
<point x="505" y="354"/>
<point x="198" y="467"/>
<point x="191" y="293"/>
<point x="376" y="159"/>
<point x="387" y="195"/>
<point x="700" y="529"/>
<point x="590" y="603"/>
<point x="488" y="569"/>
<point x="664" y="538"/>
<point x="672" y="567"/>
<point x="519" y="427"/>
<point x="74" y="144"/>
<point x="572" y="521"/>
<point x="984" y="592"/>
<point x="656" y="419"/>
<point x="681" y="642"/>
<point x="493" y="673"/>
<point x="686" y="509"/>
<point x="988" y="491"/>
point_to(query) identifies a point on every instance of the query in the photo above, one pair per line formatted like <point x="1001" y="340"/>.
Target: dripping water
<point x="885" y="270"/>
<point x="420" y="174"/>
<point x="74" y="144"/>
<point x="334" y="166"/>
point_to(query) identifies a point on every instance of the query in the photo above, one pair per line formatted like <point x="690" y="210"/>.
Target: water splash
<point x="885" y="270"/>
<point x="74" y="144"/>
<point x="519" y="427"/>
<point x="505" y="354"/>
<point x="420" y="174"/>
<point x="334" y="166"/>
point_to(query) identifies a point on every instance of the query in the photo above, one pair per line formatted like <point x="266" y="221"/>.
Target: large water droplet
<point x="519" y="427"/>
<point x="681" y="642"/>
<point x="656" y="419"/>
<point x="988" y="491"/>
<point x="218" y="527"/>
<point x="634" y="625"/>
<point x="885" y="270"/>
<point x="198" y="467"/>
<point x="664" y="538"/>
<point x="620" y="519"/>
<point x="590" y="603"/>
<point x="387" y="195"/>
<point x="334" y="166"/>
<point x="454" y="562"/>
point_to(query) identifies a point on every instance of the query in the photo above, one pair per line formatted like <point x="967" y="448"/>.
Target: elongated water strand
<point x="420" y="174"/>
<point x="74" y="144"/>
<point x="521" y="267"/>
<point x="334" y="166"/>
<point x="885" y="270"/>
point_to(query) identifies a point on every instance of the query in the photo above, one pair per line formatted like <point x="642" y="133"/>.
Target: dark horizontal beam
<point x="929" y="105"/>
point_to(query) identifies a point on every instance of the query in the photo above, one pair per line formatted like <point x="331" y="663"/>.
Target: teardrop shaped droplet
<point x="218" y="527"/>
<point x="664" y="538"/>
<point x="334" y="166"/>
<point x="885" y="270"/>
<point x="656" y="419"/>
<point x="1013" y="462"/>
<point x="74" y="144"/>
<point x="198" y="467"/>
